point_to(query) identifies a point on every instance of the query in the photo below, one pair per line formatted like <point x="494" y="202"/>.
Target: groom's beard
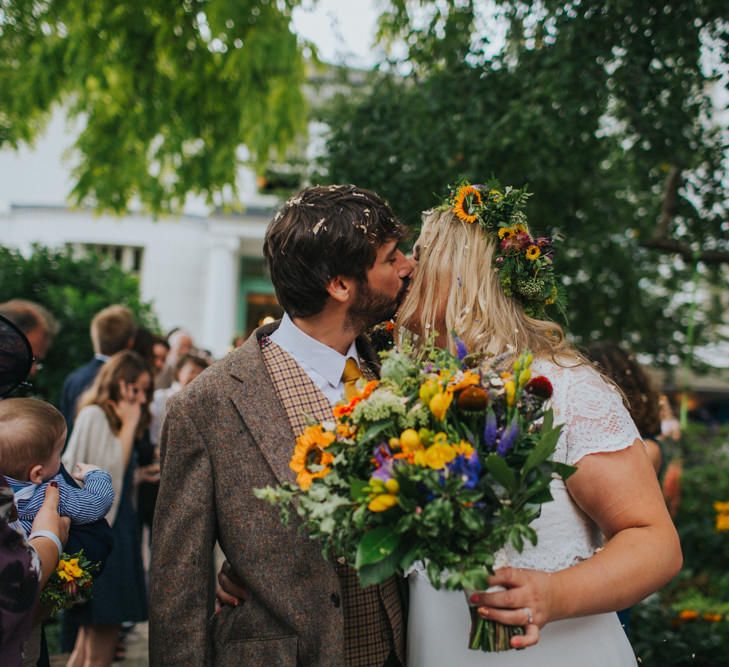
<point x="371" y="307"/>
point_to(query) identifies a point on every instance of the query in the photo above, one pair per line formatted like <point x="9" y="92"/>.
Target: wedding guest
<point x="112" y="413"/>
<point x="181" y="343"/>
<point x="482" y="275"/>
<point x="38" y="325"/>
<point x="188" y="368"/>
<point x="32" y="437"/>
<point x="26" y="565"/>
<point x="112" y="330"/>
<point x="152" y="348"/>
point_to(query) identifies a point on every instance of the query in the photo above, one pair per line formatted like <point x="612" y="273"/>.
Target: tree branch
<point x="668" y="207"/>
<point x="683" y="249"/>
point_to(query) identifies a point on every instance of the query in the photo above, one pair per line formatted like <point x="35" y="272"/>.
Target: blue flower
<point x="468" y="468"/>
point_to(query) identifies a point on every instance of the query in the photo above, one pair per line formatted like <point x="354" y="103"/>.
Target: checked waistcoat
<point x="373" y="618"/>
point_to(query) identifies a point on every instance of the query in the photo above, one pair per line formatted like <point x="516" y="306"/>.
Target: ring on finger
<point x="528" y="612"/>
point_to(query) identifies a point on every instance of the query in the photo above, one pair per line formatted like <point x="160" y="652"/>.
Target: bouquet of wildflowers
<point x="444" y="461"/>
<point x="70" y="584"/>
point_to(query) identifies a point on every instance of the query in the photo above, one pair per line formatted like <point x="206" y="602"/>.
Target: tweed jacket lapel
<point x="269" y="427"/>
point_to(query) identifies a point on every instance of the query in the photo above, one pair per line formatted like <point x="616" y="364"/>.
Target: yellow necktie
<point x="351" y="374"/>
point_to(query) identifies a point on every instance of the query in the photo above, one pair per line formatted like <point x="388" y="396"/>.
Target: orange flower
<point x="714" y="618"/>
<point x="468" y="379"/>
<point x="309" y="451"/>
<point x="460" y="203"/>
<point x="688" y="614"/>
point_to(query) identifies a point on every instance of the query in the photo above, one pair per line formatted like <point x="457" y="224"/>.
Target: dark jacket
<point x="74" y="385"/>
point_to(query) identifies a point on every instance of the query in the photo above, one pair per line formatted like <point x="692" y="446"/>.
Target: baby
<point x="32" y="436"/>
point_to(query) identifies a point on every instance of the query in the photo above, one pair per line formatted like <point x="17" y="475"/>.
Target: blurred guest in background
<point x="38" y="325"/>
<point x="112" y="330"/>
<point x="181" y="343"/>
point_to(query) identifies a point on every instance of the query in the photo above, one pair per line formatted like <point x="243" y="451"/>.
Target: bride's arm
<point x="619" y="491"/>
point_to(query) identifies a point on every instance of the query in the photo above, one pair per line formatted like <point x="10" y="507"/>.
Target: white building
<point x="203" y="272"/>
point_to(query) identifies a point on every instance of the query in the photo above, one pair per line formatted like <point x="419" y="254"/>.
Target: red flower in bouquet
<point x="539" y="386"/>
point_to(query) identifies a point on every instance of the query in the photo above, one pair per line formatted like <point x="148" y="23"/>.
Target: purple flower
<point x="461" y="349"/>
<point x="508" y="438"/>
<point x="490" y="430"/>
<point x="385" y="471"/>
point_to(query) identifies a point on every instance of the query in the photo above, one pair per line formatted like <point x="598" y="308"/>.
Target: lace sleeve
<point x="596" y="418"/>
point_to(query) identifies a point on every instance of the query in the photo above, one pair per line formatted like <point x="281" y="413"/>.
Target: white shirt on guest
<point x="323" y="364"/>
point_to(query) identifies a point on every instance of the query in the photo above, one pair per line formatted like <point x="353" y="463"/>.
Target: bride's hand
<point x="526" y="602"/>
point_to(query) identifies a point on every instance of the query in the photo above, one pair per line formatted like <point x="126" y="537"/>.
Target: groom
<point x="334" y="261"/>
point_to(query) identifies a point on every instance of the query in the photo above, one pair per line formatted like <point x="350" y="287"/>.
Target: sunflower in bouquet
<point x="70" y="584"/>
<point x="443" y="462"/>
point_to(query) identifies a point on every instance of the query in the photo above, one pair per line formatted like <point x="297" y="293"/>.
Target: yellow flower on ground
<point x="436" y="456"/>
<point x="722" y="507"/>
<point x="440" y="403"/>
<point x="506" y="232"/>
<point x="722" y="523"/>
<point x="460" y="204"/>
<point x="382" y="502"/>
<point x="532" y="252"/>
<point x="309" y="453"/>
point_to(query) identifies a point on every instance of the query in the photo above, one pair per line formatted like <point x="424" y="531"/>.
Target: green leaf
<point x="376" y="545"/>
<point x="357" y="488"/>
<point x="544" y="449"/>
<point x="501" y="472"/>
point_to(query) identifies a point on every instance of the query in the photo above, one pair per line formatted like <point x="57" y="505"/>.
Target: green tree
<point x="167" y="92"/>
<point x="73" y="290"/>
<point x="602" y="108"/>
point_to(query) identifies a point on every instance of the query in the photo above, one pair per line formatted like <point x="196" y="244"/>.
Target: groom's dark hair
<point x="323" y="232"/>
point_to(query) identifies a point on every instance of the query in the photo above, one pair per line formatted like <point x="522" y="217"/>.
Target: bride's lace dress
<point x="595" y="420"/>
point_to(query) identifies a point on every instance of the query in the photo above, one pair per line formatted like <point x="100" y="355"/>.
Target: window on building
<point x="129" y="258"/>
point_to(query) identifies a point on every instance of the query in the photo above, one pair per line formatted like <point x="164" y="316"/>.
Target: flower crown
<point x="524" y="263"/>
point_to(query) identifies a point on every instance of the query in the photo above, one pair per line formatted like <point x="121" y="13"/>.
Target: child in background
<point x="32" y="436"/>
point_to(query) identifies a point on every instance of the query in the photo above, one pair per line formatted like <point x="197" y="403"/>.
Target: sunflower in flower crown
<point x="524" y="262"/>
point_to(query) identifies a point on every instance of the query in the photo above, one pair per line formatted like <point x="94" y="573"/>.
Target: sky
<point x="343" y="31"/>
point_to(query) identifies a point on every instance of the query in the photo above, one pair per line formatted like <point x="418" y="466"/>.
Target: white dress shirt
<point x="323" y="364"/>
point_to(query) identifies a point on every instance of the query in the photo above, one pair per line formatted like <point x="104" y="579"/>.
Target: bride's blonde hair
<point x="455" y="265"/>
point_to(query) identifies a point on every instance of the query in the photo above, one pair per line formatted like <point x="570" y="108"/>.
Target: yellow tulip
<point x="510" y="389"/>
<point x="392" y="485"/>
<point x="524" y="377"/>
<point x="439" y="404"/>
<point x="382" y="502"/>
<point x="427" y="390"/>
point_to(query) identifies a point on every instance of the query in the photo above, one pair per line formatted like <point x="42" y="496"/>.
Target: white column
<point x="221" y="293"/>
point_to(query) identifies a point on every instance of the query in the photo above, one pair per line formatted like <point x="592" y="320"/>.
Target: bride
<point x="606" y="541"/>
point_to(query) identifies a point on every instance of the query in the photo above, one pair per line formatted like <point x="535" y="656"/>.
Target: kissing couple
<point x="333" y="253"/>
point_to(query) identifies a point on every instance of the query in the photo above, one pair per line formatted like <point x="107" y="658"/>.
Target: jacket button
<point x="336" y="600"/>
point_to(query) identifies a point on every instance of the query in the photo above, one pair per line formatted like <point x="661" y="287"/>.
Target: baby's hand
<point x="83" y="469"/>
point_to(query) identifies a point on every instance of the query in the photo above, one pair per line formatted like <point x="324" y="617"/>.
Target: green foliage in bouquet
<point x="70" y="584"/>
<point x="445" y="461"/>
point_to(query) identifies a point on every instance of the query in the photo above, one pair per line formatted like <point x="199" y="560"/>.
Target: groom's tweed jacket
<point x="230" y="431"/>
